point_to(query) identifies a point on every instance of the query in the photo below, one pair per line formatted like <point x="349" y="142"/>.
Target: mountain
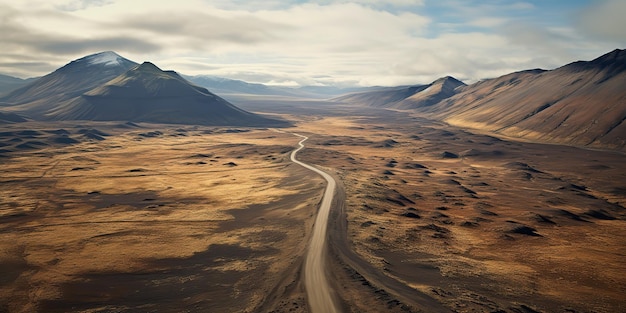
<point x="383" y="98"/>
<point x="582" y="103"/>
<point x="232" y="87"/>
<point x="10" y="83"/>
<point x="67" y="82"/>
<point x="438" y="90"/>
<point x="226" y="86"/>
<point x="406" y="97"/>
<point x="324" y="92"/>
<point x="9" y="118"/>
<point x="145" y="93"/>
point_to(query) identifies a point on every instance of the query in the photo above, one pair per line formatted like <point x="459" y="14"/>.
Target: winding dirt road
<point x="318" y="290"/>
<point x="320" y="295"/>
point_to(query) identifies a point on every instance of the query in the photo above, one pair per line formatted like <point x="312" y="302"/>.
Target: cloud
<point x="76" y="5"/>
<point x="200" y="26"/>
<point x="366" y="42"/>
<point x="604" y="20"/>
<point x="378" y="3"/>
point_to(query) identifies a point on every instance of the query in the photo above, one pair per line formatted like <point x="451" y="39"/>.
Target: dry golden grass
<point x="478" y="240"/>
<point x="195" y="218"/>
<point x="210" y="219"/>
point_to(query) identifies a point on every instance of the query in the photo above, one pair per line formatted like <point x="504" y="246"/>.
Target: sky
<point x="328" y="42"/>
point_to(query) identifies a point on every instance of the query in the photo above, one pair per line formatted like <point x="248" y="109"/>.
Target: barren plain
<point x="149" y="219"/>
<point x="113" y="217"/>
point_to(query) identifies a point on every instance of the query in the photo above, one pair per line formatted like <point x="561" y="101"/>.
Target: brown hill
<point x="407" y="97"/>
<point x="438" y="90"/>
<point x="582" y="103"/>
<point x="382" y="98"/>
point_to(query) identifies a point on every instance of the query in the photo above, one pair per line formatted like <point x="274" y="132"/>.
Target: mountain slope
<point x="232" y="88"/>
<point x="440" y="89"/>
<point x="383" y="98"/>
<point x="220" y="85"/>
<point x="582" y="103"/>
<point x="10" y="83"/>
<point x="409" y="97"/>
<point x="9" y="118"/>
<point x="68" y="82"/>
<point x="148" y="94"/>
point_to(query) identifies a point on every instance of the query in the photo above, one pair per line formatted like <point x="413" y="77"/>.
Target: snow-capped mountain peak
<point x="104" y="58"/>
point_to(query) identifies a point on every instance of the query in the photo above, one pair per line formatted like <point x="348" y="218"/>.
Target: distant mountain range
<point x="226" y="87"/>
<point x="106" y="86"/>
<point x="10" y="83"/>
<point x="581" y="103"/>
<point x="217" y="85"/>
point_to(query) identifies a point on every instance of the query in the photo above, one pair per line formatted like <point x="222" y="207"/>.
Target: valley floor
<point x="163" y="218"/>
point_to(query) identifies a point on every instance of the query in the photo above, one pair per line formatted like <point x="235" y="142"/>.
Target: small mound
<point x="414" y="166"/>
<point x="481" y="153"/>
<point x="389" y="143"/>
<point x="574" y="187"/>
<point x="152" y="134"/>
<point x="391" y="163"/>
<point x="4" y="152"/>
<point x="93" y="131"/>
<point x="411" y="215"/>
<point x="468" y="191"/>
<point x="90" y="136"/>
<point x="29" y="132"/>
<point x="488" y="213"/>
<point x="368" y="224"/>
<point x="543" y="219"/>
<point x="449" y="155"/>
<point x="31" y="145"/>
<point x="469" y="224"/>
<point x="524" y="230"/>
<point x="438" y="231"/>
<point x="201" y="155"/>
<point x="82" y="169"/>
<point x="127" y="125"/>
<point x="570" y="215"/>
<point x="522" y="166"/>
<point x="8" y="118"/>
<point x="60" y="131"/>
<point x="65" y="140"/>
<point x="471" y="153"/>
<point x="600" y="214"/>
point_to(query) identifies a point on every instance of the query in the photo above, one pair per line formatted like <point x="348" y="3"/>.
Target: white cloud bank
<point x="365" y="42"/>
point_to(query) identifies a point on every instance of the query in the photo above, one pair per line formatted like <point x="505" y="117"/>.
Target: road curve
<point x="318" y="290"/>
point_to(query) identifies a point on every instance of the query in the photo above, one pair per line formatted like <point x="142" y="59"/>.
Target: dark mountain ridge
<point x="148" y="94"/>
<point x="69" y="81"/>
<point x="10" y="83"/>
<point x="106" y="87"/>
